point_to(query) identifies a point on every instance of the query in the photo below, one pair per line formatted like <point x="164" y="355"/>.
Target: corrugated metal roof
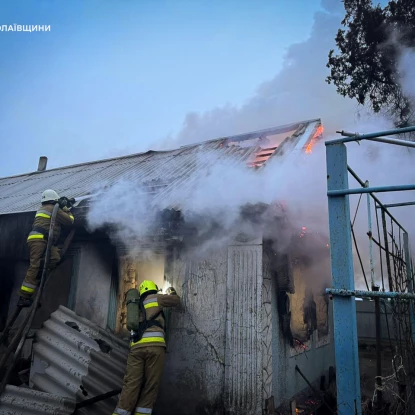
<point x="24" y="401"/>
<point x="75" y="359"/>
<point x="159" y="171"/>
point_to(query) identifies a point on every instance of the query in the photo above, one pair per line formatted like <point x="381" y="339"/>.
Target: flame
<point x="316" y="135"/>
<point x="303" y="231"/>
<point x="300" y="344"/>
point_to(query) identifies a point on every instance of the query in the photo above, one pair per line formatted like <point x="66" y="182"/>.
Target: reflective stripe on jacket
<point x="42" y="222"/>
<point x="153" y="305"/>
<point x="35" y="235"/>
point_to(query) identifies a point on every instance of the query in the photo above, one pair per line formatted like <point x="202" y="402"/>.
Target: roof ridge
<point x="230" y="137"/>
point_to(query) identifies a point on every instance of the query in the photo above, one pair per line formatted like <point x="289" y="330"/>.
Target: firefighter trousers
<point x="36" y="250"/>
<point x="141" y="381"/>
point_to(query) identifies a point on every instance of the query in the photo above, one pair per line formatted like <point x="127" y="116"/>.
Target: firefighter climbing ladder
<point x="343" y="291"/>
<point x="22" y="332"/>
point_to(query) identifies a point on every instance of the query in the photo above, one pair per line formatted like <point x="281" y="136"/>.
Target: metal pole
<point x="344" y="308"/>
<point x="369" y="294"/>
<point x="392" y="205"/>
<point x="369" y="220"/>
<point x="379" y="400"/>
<point x="386" y="242"/>
<point x="410" y="281"/>
<point x="377" y="189"/>
<point x="376" y="137"/>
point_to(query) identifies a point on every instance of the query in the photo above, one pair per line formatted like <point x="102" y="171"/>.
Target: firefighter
<point x="147" y="349"/>
<point x="37" y="241"/>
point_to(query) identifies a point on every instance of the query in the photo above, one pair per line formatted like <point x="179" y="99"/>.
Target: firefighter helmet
<point x="147" y="286"/>
<point x="49" y="195"/>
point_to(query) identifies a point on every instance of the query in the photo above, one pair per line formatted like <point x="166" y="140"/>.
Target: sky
<point x="119" y="77"/>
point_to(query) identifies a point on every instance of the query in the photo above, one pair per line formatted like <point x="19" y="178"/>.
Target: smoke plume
<point x="299" y="92"/>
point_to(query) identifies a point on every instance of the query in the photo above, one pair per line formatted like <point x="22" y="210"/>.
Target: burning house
<point x="252" y="286"/>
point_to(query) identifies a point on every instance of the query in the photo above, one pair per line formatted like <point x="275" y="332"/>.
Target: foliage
<point x="366" y="65"/>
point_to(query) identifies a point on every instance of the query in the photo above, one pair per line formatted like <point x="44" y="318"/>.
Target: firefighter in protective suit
<point x="146" y="358"/>
<point x="37" y="241"/>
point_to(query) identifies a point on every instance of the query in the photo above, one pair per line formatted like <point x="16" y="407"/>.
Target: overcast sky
<point x="114" y="77"/>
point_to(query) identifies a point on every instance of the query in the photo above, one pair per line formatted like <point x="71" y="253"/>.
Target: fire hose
<point x="24" y="330"/>
<point x="17" y="311"/>
<point x="63" y="202"/>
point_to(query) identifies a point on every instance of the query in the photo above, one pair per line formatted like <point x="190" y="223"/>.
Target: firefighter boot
<point x="24" y="302"/>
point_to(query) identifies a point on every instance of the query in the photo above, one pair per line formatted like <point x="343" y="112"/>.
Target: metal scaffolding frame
<point x="343" y="291"/>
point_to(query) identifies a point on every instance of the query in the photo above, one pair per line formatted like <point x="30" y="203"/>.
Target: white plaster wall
<point x="244" y="333"/>
<point x="193" y="376"/>
<point x="94" y="282"/>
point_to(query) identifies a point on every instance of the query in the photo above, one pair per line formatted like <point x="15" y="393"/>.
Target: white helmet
<point x="49" y="195"/>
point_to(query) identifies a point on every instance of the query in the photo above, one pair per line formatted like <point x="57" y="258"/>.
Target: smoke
<point x="298" y="92"/>
<point x="125" y="214"/>
<point x="406" y="68"/>
<point x="219" y="200"/>
<point x="214" y="202"/>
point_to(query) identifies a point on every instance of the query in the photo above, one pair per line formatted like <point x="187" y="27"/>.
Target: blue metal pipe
<point x="344" y="308"/>
<point x="376" y="137"/>
<point x="403" y="143"/>
<point x="384" y="133"/>
<point x="369" y="294"/>
<point x="378" y="189"/>
<point x="392" y="205"/>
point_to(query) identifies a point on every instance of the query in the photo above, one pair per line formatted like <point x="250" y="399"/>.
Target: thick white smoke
<point x="406" y="69"/>
<point x="298" y="92"/>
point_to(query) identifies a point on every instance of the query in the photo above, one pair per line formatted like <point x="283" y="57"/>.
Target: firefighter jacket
<point x="40" y="228"/>
<point x="153" y="305"/>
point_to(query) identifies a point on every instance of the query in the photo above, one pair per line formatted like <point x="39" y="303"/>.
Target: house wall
<point x="314" y="361"/>
<point x="226" y="351"/>
<point x="6" y="285"/>
<point x="249" y="330"/>
<point x="14" y="229"/>
<point x="193" y="377"/>
<point x="93" y="281"/>
<point x="219" y="349"/>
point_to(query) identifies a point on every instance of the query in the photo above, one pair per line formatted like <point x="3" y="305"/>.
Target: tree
<point x="365" y="66"/>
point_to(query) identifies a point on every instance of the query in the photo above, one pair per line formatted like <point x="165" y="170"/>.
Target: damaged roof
<point x="157" y="171"/>
<point x="77" y="360"/>
<point x="73" y="360"/>
<point x="24" y="401"/>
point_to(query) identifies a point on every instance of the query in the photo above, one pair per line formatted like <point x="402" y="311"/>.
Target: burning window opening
<point x="262" y="156"/>
<point x="133" y="269"/>
<point x="303" y="305"/>
<point x="271" y="145"/>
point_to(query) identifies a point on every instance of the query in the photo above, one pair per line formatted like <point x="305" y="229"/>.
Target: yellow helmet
<point x="146" y="286"/>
